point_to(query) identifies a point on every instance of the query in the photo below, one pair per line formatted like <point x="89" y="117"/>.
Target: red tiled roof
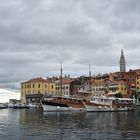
<point x="39" y="79"/>
<point x="65" y="81"/>
<point x="117" y="82"/>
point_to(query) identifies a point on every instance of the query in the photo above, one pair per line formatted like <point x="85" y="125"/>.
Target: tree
<point x="134" y="94"/>
<point x="118" y="95"/>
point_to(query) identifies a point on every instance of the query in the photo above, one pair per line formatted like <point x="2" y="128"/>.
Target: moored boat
<point x="21" y="106"/>
<point x="2" y="106"/>
<point x="102" y="104"/>
<point x="63" y="104"/>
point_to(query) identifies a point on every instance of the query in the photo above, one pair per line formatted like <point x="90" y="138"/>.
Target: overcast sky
<point x="35" y="35"/>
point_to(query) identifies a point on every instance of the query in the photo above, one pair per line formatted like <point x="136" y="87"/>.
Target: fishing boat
<point x="59" y="103"/>
<point x="102" y="104"/>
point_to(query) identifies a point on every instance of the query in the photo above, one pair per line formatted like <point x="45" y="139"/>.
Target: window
<point x="52" y="86"/>
<point x="38" y="85"/>
<point x="137" y="82"/>
<point x="137" y="87"/>
<point x="33" y="85"/>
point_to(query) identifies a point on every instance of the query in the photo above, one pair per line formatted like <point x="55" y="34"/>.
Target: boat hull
<point x="93" y="108"/>
<point x="3" y="107"/>
<point x="54" y="106"/>
<point x="60" y="108"/>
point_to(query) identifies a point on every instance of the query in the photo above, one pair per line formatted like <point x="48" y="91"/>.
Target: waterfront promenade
<point x="31" y="124"/>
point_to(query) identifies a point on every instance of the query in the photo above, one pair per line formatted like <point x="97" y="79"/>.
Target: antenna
<point x="89" y="79"/>
<point x="61" y="78"/>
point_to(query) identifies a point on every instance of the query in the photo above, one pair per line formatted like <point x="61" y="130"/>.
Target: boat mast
<point x="89" y="79"/>
<point x="61" y="79"/>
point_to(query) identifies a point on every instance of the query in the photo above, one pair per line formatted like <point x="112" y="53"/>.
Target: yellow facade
<point x="138" y="83"/>
<point x="115" y="88"/>
<point x="36" y="86"/>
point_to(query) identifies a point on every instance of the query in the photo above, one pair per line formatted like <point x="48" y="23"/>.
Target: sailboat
<point x="63" y="103"/>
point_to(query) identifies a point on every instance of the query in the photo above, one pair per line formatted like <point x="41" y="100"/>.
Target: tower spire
<point x="122" y="62"/>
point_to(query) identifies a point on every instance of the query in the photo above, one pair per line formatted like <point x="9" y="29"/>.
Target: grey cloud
<point x="36" y="35"/>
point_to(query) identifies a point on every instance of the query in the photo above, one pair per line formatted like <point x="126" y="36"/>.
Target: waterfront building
<point x="130" y="79"/>
<point x="100" y="84"/>
<point x="83" y="79"/>
<point x="138" y="84"/>
<point x="116" y="87"/>
<point x="36" y="87"/>
<point x="69" y="87"/>
<point x="99" y="89"/>
<point x="122" y="62"/>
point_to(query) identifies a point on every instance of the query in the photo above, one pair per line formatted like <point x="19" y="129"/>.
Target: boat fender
<point x="100" y="107"/>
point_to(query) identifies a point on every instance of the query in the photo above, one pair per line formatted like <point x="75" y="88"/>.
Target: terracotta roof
<point x="39" y="79"/>
<point x="65" y="81"/>
<point x="136" y="70"/>
<point x="117" y="82"/>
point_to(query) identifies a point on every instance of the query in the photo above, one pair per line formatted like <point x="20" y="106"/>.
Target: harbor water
<point x="32" y="124"/>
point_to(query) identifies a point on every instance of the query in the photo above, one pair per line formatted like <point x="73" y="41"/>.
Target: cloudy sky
<point x="35" y="35"/>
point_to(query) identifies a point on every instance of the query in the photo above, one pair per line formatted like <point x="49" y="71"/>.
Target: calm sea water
<point x="31" y="124"/>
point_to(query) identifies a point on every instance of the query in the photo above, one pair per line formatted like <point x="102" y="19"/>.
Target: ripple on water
<point x="32" y="124"/>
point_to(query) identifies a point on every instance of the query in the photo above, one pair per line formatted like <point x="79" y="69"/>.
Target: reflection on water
<point x="33" y="124"/>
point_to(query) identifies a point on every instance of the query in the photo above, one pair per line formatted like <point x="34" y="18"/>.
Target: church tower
<point x="122" y="63"/>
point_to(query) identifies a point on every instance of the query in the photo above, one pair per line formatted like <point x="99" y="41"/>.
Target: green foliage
<point x="119" y="95"/>
<point x="134" y="94"/>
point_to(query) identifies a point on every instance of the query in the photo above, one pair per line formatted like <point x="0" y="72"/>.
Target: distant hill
<point x="5" y="95"/>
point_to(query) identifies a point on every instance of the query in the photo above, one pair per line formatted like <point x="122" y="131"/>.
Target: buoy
<point x="70" y="107"/>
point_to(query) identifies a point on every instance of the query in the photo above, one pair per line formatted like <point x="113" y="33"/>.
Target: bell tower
<point x="122" y="63"/>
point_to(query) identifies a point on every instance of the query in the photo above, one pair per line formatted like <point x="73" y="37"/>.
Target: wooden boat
<point x="63" y="104"/>
<point x="102" y="104"/>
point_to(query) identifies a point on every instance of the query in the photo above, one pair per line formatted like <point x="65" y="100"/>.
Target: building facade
<point x="36" y="86"/>
<point x="116" y="87"/>
<point x="68" y="87"/>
